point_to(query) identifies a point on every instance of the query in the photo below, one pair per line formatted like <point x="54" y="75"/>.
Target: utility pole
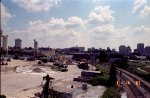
<point x="0" y="36"/>
<point x="0" y="47"/>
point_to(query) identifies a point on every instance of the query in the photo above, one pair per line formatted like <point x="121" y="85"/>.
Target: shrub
<point x="100" y="80"/>
<point x="102" y="69"/>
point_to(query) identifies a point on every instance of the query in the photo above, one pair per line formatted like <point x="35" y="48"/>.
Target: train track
<point x="143" y="85"/>
<point x="132" y="86"/>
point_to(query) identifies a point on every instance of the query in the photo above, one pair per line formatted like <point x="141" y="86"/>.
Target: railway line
<point x="134" y="89"/>
<point x="140" y="91"/>
<point x="144" y="86"/>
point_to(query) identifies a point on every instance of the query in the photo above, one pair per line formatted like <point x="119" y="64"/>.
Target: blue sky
<point x="66" y="23"/>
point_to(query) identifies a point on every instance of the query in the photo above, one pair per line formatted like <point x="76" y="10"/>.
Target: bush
<point x="102" y="69"/>
<point x="100" y="80"/>
<point x="111" y="92"/>
<point x="139" y="73"/>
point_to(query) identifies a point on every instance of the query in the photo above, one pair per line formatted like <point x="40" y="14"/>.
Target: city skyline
<point x="126" y="48"/>
<point x="89" y="23"/>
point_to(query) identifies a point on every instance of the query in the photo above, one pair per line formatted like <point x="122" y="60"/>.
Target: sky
<point x="67" y="23"/>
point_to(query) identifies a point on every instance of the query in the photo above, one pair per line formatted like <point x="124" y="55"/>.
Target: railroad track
<point x="133" y="87"/>
<point x="146" y="87"/>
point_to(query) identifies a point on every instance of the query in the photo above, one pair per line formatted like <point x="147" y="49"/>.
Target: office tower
<point x="129" y="50"/>
<point x="140" y="48"/>
<point x="122" y="49"/>
<point x="18" y="43"/>
<point x="147" y="50"/>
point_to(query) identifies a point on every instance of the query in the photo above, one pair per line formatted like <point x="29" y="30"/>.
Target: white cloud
<point x="5" y="15"/>
<point x="74" y="22"/>
<point x="54" y="31"/>
<point x="108" y="35"/>
<point x="145" y="11"/>
<point x="142" y="30"/>
<point x="37" y="5"/>
<point x="100" y="15"/>
<point x="57" y="32"/>
<point x="138" y="4"/>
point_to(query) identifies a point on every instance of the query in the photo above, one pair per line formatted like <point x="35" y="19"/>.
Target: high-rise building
<point x="122" y="49"/>
<point x="129" y="50"/>
<point x="18" y="43"/>
<point x="140" y="48"/>
<point x="147" y="50"/>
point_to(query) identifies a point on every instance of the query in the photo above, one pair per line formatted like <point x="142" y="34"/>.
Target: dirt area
<point x="26" y="82"/>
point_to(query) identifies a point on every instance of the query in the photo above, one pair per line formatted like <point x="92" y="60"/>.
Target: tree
<point x="123" y="63"/>
<point x="112" y="75"/>
<point x="103" y="56"/>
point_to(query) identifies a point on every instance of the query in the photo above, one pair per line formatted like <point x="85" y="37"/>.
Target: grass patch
<point x="111" y="92"/>
<point x="101" y="80"/>
<point x="102" y="69"/>
<point x="133" y="69"/>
